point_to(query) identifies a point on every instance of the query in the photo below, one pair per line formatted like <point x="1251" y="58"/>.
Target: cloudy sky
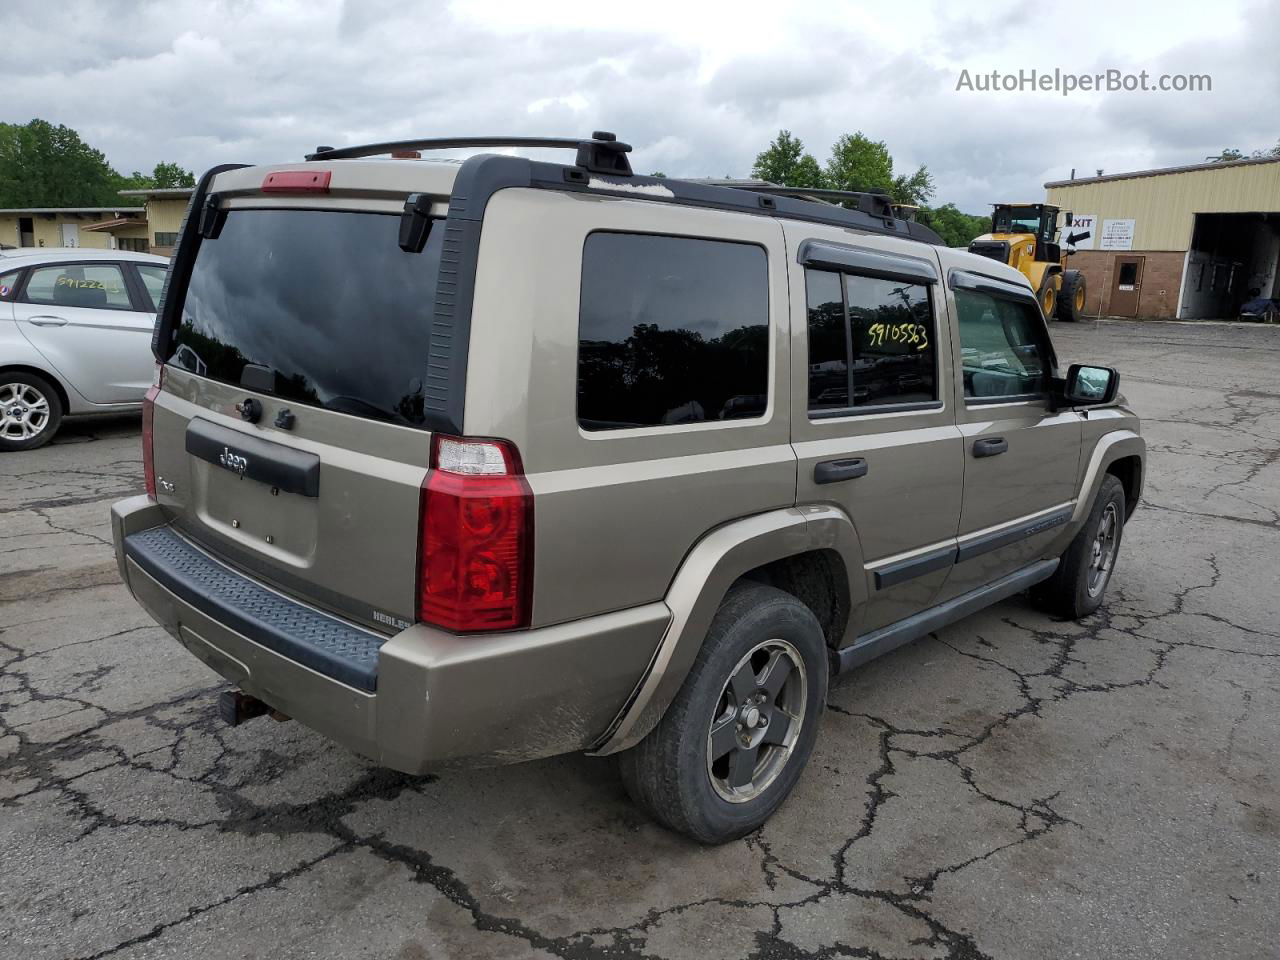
<point x="698" y="87"/>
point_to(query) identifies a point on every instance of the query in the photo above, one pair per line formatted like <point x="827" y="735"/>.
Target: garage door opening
<point x="1234" y="258"/>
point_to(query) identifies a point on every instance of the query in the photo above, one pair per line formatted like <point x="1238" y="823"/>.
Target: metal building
<point x="1181" y="242"/>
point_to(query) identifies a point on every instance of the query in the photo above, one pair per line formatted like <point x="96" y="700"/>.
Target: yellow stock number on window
<point x="908" y="334"/>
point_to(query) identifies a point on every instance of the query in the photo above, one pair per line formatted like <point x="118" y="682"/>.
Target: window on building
<point x="672" y="330"/>
<point x="871" y="342"/>
<point x="98" y="285"/>
<point x="135" y="244"/>
<point x="166" y="239"/>
<point x="1003" y="349"/>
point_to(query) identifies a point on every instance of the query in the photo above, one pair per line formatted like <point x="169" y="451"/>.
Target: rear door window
<point x="672" y="330"/>
<point x="872" y="343"/>
<point x="94" y="285"/>
<point x="317" y="307"/>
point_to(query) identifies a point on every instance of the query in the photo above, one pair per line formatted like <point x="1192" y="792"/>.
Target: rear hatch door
<point x="290" y="437"/>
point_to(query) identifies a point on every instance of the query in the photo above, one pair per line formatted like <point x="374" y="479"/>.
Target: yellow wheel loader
<point x="1025" y="236"/>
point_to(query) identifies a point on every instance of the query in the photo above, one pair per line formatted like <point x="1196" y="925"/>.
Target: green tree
<point x="955" y="228"/>
<point x="46" y="166"/>
<point x="860" y="163"/>
<point x="785" y="162"/>
<point x="916" y="189"/>
<point x="166" y="175"/>
<point x="1230" y="153"/>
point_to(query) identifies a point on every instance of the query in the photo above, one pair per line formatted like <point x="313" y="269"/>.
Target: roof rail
<point x="874" y="202"/>
<point x="603" y="153"/>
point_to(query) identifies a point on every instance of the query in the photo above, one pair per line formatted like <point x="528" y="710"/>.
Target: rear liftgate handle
<point x="833" y="471"/>
<point x="990" y="446"/>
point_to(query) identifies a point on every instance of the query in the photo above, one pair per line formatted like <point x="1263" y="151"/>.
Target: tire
<point x="1071" y="298"/>
<point x="673" y="773"/>
<point x="30" y="411"/>
<point x="1077" y="587"/>
<point x="1048" y="296"/>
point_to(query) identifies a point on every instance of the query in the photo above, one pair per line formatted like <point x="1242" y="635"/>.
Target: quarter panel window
<point x="9" y="284"/>
<point x="152" y="279"/>
<point x="99" y="285"/>
<point x="672" y="330"/>
<point x="871" y="342"/>
<point x="1002" y="347"/>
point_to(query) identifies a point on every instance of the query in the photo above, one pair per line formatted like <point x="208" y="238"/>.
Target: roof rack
<point x="603" y="153"/>
<point x="875" y="202"/>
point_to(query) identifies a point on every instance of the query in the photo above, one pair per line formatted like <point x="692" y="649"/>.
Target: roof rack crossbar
<point x="603" y="153"/>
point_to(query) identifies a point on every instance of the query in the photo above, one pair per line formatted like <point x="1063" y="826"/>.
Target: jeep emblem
<point x="233" y="461"/>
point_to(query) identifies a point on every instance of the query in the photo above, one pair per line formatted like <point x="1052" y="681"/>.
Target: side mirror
<point x="1088" y="385"/>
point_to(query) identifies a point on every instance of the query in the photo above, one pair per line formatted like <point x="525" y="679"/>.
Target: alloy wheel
<point x="24" y="411"/>
<point x="757" y="721"/>
<point x="1103" y="555"/>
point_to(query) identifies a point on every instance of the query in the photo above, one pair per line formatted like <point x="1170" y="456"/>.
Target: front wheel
<point x="1048" y="296"/>
<point x="736" y="738"/>
<point x="1077" y="586"/>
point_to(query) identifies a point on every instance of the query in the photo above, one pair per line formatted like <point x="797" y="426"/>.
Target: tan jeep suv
<point x="491" y="461"/>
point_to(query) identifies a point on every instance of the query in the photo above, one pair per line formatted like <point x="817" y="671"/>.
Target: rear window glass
<point x="672" y="330"/>
<point x="317" y="307"/>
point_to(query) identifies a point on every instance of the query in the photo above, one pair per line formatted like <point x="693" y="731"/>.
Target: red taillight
<point x="297" y="181"/>
<point x="475" y="548"/>
<point x="148" y="432"/>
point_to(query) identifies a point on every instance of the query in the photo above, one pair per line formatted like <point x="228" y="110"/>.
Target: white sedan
<point x="75" y="337"/>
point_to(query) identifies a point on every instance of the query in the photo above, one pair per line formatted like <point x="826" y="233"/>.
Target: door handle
<point x="47" y="321"/>
<point x="833" y="471"/>
<point x="990" y="446"/>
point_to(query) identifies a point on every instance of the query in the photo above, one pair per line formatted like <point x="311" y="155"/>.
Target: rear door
<point x="289" y="433"/>
<point x="1020" y="456"/>
<point x="86" y="321"/>
<point x="873" y="424"/>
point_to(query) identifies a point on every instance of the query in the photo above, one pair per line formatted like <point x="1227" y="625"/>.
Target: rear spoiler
<point x="172" y="294"/>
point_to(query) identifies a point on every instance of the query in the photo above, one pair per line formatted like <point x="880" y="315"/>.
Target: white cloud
<point x="698" y="88"/>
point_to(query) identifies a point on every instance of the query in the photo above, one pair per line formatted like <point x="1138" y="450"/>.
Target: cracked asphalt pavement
<point x="1011" y="787"/>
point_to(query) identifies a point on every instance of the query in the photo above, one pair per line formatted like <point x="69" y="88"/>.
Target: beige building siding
<point x="164" y="216"/>
<point x="1164" y="205"/>
<point x="48" y="231"/>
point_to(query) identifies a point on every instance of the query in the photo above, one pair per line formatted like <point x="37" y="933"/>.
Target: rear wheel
<point x="1077" y="587"/>
<point x="30" y="411"/>
<point x="1071" y="298"/>
<point x="733" y="743"/>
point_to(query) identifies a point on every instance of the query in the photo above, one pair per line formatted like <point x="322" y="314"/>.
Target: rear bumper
<point x="437" y="699"/>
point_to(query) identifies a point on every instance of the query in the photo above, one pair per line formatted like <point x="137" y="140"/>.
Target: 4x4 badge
<point x="233" y="461"/>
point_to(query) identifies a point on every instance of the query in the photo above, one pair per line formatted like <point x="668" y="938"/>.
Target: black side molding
<point x="904" y="631"/>
<point x="905" y="570"/>
<point x="1002" y="538"/>
<point x="293" y="471"/>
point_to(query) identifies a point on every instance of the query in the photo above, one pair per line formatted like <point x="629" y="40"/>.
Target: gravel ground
<point x="1011" y="787"/>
